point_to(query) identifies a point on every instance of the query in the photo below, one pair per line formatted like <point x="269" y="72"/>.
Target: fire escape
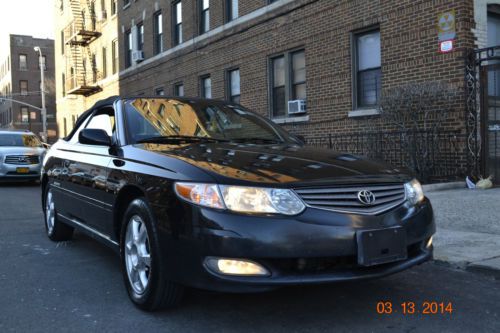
<point x="82" y="73"/>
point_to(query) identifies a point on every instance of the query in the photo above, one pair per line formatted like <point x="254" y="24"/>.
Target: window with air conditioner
<point x="288" y="85"/>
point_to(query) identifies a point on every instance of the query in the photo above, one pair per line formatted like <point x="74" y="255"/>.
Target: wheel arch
<point x="126" y="195"/>
<point x="43" y="184"/>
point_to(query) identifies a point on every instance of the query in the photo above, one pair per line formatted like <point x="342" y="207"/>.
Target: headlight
<point x="414" y="192"/>
<point x="261" y="200"/>
<point x="207" y="195"/>
<point x="241" y="199"/>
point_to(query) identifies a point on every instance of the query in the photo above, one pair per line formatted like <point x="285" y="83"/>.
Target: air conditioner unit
<point x="137" y="56"/>
<point x="102" y="15"/>
<point x="297" y="106"/>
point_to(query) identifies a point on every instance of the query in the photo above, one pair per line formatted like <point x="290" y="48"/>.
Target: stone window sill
<point x="363" y="113"/>
<point x="288" y="120"/>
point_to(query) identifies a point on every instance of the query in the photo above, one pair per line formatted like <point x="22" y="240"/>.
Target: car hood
<point x="233" y="163"/>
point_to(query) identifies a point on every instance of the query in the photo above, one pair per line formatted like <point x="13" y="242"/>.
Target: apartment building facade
<point x="20" y="85"/>
<point x="316" y="67"/>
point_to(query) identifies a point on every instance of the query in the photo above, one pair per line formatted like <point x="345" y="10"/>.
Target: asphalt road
<point x="77" y="287"/>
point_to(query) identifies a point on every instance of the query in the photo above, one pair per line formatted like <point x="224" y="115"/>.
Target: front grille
<point x="22" y="159"/>
<point x="345" y="198"/>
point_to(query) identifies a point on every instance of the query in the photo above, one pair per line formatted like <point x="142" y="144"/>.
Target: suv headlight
<point x="241" y="198"/>
<point x="414" y="192"/>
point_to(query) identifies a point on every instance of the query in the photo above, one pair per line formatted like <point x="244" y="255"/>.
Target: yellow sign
<point x="446" y="26"/>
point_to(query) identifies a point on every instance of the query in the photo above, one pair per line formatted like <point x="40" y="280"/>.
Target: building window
<point x="288" y="81"/>
<point x="24" y="114"/>
<point x="33" y="116"/>
<point x="206" y="86"/>
<point x="140" y="37"/>
<point x="233" y="85"/>
<point x="128" y="49"/>
<point x="104" y="63"/>
<point x="65" y="124"/>
<point x="23" y="62"/>
<point x="44" y="63"/>
<point x="114" y="55"/>
<point x="62" y="42"/>
<point x="158" y="32"/>
<point x="159" y="92"/>
<point x="126" y="3"/>
<point x="278" y="87"/>
<point x="367" y="69"/>
<point x="113" y="7"/>
<point x="298" y="75"/>
<point x="177" y="22"/>
<point x="63" y="77"/>
<point x="204" y="16"/>
<point x="232" y="10"/>
<point x="179" y="89"/>
<point x="23" y="87"/>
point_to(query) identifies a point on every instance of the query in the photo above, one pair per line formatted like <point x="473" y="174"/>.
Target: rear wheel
<point x="56" y="230"/>
<point x="143" y="270"/>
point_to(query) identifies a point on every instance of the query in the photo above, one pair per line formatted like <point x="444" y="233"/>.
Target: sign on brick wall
<point x="446" y="31"/>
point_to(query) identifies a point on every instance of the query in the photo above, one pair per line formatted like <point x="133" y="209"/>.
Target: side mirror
<point x="95" y="137"/>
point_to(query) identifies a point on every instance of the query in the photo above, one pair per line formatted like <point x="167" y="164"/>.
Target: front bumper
<point x="9" y="172"/>
<point x="314" y="247"/>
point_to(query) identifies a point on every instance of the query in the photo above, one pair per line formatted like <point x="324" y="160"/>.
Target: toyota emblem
<point x="21" y="159"/>
<point x="366" y="197"/>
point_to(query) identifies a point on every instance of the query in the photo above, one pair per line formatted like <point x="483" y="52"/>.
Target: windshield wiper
<point x="256" y="140"/>
<point x="178" y="139"/>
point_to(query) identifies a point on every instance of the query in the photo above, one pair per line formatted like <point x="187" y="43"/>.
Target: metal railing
<point x="429" y="156"/>
<point x="82" y="30"/>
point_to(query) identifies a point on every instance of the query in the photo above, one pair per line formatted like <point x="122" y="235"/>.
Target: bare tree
<point x="418" y="110"/>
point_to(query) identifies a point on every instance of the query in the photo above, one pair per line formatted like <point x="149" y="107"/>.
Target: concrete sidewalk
<point x="468" y="229"/>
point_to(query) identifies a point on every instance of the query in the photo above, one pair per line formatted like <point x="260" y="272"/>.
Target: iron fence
<point x="431" y="156"/>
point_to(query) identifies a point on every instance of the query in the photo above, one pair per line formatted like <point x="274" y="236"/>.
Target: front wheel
<point x="143" y="270"/>
<point x="56" y="230"/>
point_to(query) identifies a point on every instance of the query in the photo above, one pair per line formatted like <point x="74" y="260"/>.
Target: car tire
<point x="56" y="230"/>
<point x="143" y="271"/>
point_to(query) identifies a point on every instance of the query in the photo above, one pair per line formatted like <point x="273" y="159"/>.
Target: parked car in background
<point x="21" y="156"/>
<point x="208" y="194"/>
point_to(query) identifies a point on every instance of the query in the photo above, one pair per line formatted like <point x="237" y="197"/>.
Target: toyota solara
<point x="207" y="194"/>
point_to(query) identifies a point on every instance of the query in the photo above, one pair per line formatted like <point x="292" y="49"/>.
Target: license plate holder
<point x="381" y="246"/>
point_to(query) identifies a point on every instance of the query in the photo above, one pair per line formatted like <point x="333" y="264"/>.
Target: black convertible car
<point x="208" y="194"/>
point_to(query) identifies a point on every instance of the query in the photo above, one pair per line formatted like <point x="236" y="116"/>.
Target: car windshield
<point x="19" y="140"/>
<point x="156" y="119"/>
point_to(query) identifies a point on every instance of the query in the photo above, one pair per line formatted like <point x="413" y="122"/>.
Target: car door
<point x="87" y="167"/>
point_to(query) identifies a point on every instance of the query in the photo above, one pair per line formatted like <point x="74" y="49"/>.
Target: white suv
<point x="21" y="156"/>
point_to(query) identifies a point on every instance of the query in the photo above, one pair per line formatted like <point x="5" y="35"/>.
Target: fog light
<point x="236" y="267"/>
<point x="429" y="243"/>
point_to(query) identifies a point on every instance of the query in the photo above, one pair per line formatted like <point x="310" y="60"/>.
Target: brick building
<point x="329" y="60"/>
<point x="20" y="81"/>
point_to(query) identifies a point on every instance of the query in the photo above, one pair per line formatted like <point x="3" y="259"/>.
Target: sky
<point x="27" y="17"/>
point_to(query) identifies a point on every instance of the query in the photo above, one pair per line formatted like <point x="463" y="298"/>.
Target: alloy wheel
<point x="137" y="254"/>
<point x="50" y="212"/>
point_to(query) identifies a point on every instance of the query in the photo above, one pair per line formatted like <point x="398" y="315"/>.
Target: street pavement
<point x="77" y="286"/>
<point x="468" y="228"/>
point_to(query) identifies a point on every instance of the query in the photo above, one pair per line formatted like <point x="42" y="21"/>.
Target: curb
<point x="484" y="268"/>
<point x="475" y="268"/>
<point x="443" y="186"/>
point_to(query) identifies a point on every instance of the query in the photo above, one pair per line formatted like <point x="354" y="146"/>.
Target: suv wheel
<point x="56" y="230"/>
<point x="145" y="276"/>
